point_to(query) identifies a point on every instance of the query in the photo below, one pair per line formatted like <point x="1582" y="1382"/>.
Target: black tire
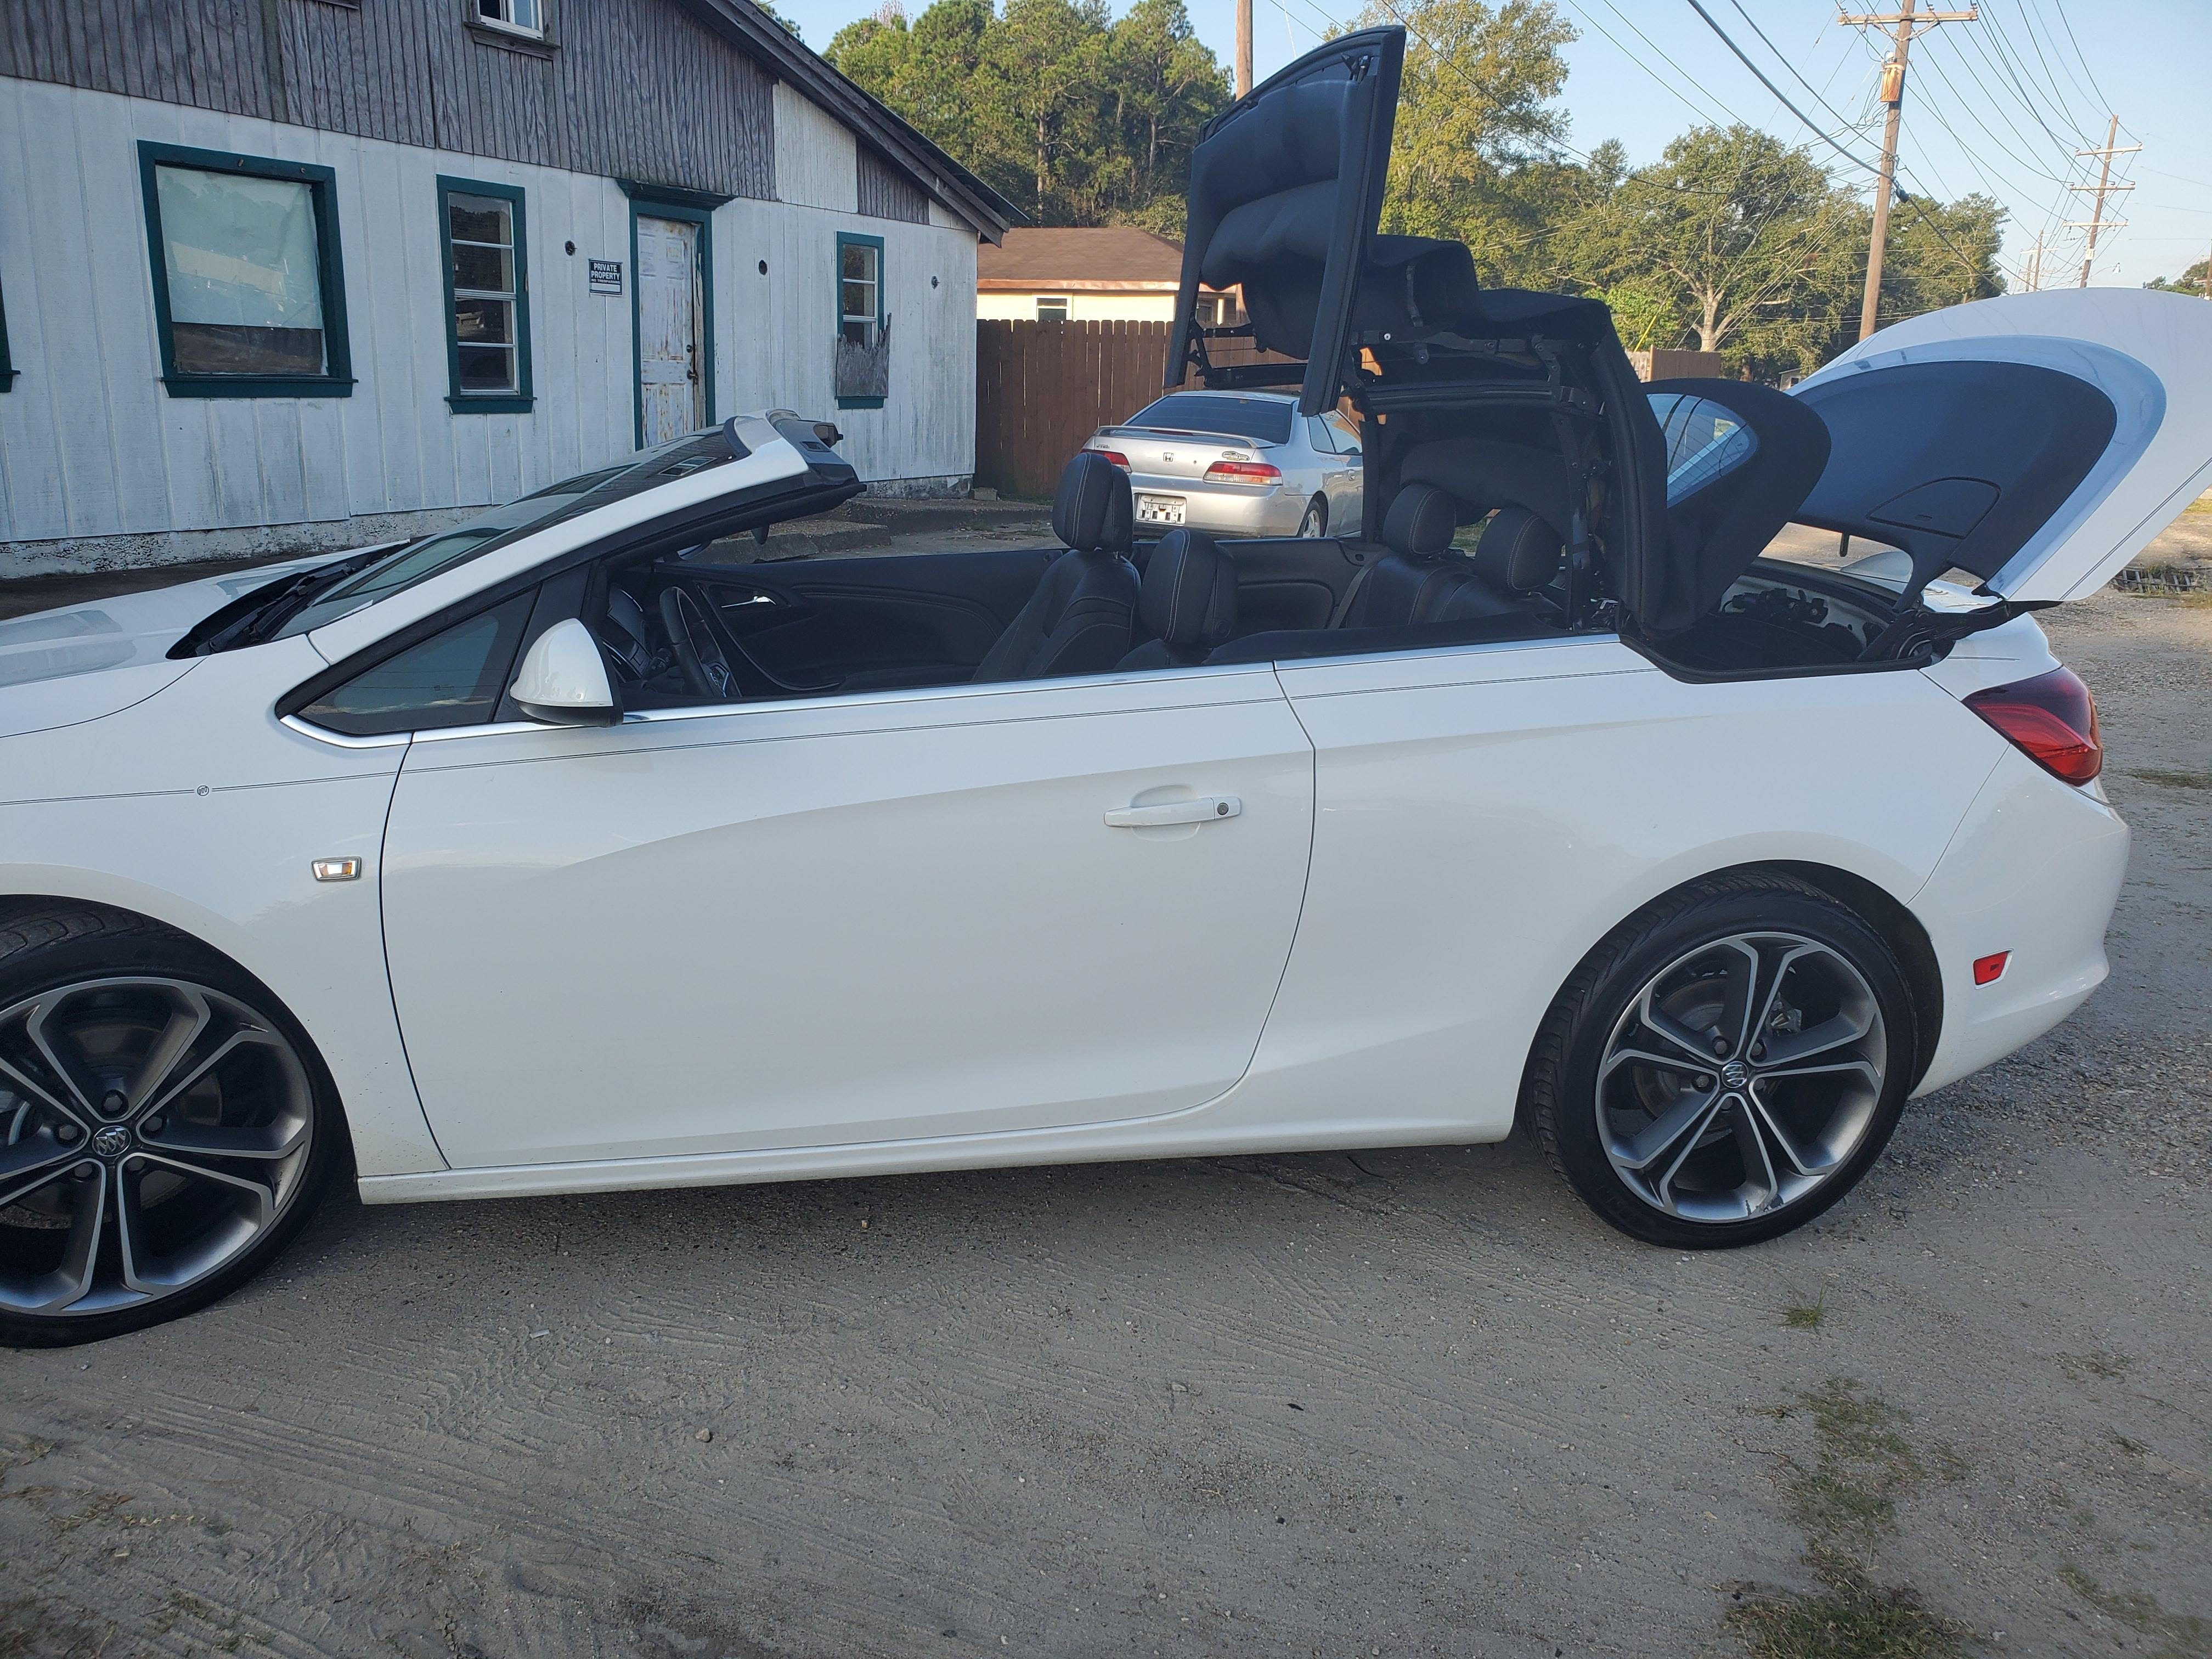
<point x="1315" y="525"/>
<point x="1599" y="1016"/>
<point x="46" y="956"/>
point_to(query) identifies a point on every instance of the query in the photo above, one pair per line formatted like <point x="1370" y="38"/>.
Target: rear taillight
<point x="2051" y="718"/>
<point x="1115" y="456"/>
<point x="1243" y="472"/>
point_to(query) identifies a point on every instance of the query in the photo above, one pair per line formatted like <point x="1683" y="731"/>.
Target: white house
<point x="1058" y="275"/>
<point x="309" y="273"/>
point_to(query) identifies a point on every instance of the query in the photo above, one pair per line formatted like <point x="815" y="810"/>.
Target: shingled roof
<point x="1109" y="259"/>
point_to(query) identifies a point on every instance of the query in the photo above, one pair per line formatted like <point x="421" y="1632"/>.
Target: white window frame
<point x="534" y="29"/>
<point x="1059" y="299"/>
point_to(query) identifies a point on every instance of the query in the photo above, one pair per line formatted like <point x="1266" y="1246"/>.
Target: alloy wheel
<point x="1741" y="1077"/>
<point x="151" y="1129"/>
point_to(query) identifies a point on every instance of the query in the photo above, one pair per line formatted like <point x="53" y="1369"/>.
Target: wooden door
<point x="671" y="387"/>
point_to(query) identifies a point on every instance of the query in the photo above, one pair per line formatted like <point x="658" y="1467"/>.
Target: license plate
<point x="1159" y="509"/>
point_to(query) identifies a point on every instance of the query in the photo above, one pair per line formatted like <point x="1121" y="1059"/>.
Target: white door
<point x="859" y="918"/>
<point x="671" y="387"/>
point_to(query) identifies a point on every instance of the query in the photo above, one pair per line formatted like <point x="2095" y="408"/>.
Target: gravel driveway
<point x="1400" y="1403"/>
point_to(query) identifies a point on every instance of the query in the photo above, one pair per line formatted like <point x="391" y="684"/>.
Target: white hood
<point x="2150" y="353"/>
<point x="80" y="662"/>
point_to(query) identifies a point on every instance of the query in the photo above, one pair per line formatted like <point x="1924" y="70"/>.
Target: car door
<point x="869" y="918"/>
<point x="1344" y="479"/>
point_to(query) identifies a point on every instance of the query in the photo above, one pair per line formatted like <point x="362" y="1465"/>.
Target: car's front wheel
<point x="1726" y="1063"/>
<point x="164" y="1125"/>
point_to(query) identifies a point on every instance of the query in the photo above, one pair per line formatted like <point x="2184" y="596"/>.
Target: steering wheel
<point x="699" y="653"/>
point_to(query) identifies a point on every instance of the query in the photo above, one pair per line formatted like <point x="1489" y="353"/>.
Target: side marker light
<point x="1988" y="970"/>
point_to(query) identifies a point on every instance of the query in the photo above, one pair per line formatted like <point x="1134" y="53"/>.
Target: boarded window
<point x="246" y="288"/>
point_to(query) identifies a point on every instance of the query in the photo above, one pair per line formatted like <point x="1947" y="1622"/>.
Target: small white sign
<point x="606" y="276"/>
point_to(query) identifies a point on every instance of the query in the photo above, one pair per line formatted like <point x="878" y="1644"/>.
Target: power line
<point x="1698" y="6"/>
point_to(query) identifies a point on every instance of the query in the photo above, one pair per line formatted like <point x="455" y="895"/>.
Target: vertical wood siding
<point x="92" y="445"/>
<point x="885" y="192"/>
<point x="632" y="89"/>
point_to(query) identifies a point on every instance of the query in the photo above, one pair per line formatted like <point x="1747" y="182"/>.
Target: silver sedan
<point x="1237" y="463"/>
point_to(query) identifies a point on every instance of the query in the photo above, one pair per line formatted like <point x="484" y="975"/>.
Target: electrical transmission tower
<point x="1906" y="24"/>
<point x="2097" y="222"/>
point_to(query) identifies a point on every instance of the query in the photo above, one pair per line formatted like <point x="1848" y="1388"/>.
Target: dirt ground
<point x="1404" y="1403"/>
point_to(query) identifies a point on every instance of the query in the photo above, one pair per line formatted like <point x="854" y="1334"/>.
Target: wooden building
<point x="286" y="274"/>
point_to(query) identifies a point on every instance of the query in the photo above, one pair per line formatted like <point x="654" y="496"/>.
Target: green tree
<point x="1477" y="155"/>
<point x="1079" y="118"/>
<point x="2191" y="281"/>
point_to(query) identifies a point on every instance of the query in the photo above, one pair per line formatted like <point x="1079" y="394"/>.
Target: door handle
<point x="1206" y="809"/>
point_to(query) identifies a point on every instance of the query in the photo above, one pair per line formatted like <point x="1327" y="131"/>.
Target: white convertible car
<point x="570" y="851"/>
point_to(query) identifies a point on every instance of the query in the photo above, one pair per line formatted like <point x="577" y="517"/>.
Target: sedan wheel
<point x="1725" y="1066"/>
<point x="158" y="1142"/>
<point x="1315" y="522"/>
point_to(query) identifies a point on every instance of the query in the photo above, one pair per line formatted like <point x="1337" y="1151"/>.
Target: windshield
<point x="312" y="599"/>
<point x="421" y="559"/>
<point x="1706" y="440"/>
<point x="1257" y="420"/>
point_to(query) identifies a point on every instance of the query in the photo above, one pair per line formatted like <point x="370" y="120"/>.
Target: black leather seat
<point x="1422" y="571"/>
<point x="1082" y="616"/>
<point x="1188" y="601"/>
<point x="1519" y="555"/>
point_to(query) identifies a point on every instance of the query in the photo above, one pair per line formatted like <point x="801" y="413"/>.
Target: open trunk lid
<point x="2038" y="440"/>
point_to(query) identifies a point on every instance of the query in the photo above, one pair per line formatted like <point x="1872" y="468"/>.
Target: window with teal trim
<point x="481" y="235"/>
<point x="249" y="296"/>
<point x="863" y="346"/>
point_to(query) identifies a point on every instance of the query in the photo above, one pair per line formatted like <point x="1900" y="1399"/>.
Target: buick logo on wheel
<point x="1735" y="1074"/>
<point x="112" y="1141"/>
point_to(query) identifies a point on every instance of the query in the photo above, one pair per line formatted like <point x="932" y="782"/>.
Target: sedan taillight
<point x="1252" y="472"/>
<point x="2051" y="718"/>
<point x="1115" y="456"/>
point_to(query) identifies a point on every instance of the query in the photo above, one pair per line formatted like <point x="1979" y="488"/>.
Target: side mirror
<point x="563" y="680"/>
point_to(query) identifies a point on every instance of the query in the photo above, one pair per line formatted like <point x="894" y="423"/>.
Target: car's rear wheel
<point x="165" y="1126"/>
<point x="1725" y="1065"/>
<point x="1315" y="522"/>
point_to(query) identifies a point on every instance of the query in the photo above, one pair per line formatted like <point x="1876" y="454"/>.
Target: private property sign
<point x="606" y="276"/>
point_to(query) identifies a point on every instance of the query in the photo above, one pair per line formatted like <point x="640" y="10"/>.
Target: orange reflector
<point x="1989" y="970"/>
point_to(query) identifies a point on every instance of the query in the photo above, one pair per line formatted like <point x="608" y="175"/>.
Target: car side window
<point x="1322" y="435"/>
<point x="1347" y="436"/>
<point x="452" y="678"/>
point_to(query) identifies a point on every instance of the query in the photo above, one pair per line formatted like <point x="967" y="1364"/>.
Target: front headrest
<point x="1518" y="551"/>
<point x="1090" y="511"/>
<point x="1190" y="596"/>
<point x="1421" y="520"/>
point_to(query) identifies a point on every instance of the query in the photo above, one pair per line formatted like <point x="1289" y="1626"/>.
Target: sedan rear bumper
<point x="1223" y="509"/>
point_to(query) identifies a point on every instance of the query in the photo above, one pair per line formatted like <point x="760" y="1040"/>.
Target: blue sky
<point x="1996" y="105"/>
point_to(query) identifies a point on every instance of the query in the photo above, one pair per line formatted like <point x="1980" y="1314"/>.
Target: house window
<point x="481" y="228"/>
<point x="247" y="292"/>
<point x="860" y="289"/>
<point x="517" y="16"/>
<point x="1052" y="308"/>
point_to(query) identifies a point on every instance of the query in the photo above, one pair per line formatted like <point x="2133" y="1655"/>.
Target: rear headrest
<point x="1190" y="596"/>
<point x="1090" y="511"/>
<point x="1518" y="551"/>
<point x="1421" y="520"/>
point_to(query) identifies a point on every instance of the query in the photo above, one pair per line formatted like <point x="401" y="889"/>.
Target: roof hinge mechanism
<point x="1919" y="629"/>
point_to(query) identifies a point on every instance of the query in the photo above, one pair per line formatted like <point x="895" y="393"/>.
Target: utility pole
<point x="2031" y="271"/>
<point x="1243" y="47"/>
<point x="1906" y="23"/>
<point x="2104" y="186"/>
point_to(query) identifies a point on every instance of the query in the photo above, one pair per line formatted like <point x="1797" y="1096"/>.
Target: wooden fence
<point x="1043" y="388"/>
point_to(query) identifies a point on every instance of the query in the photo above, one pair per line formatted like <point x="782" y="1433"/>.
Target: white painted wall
<point x="98" y="464"/>
<point x="814" y="156"/>
<point x="1081" y="308"/>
